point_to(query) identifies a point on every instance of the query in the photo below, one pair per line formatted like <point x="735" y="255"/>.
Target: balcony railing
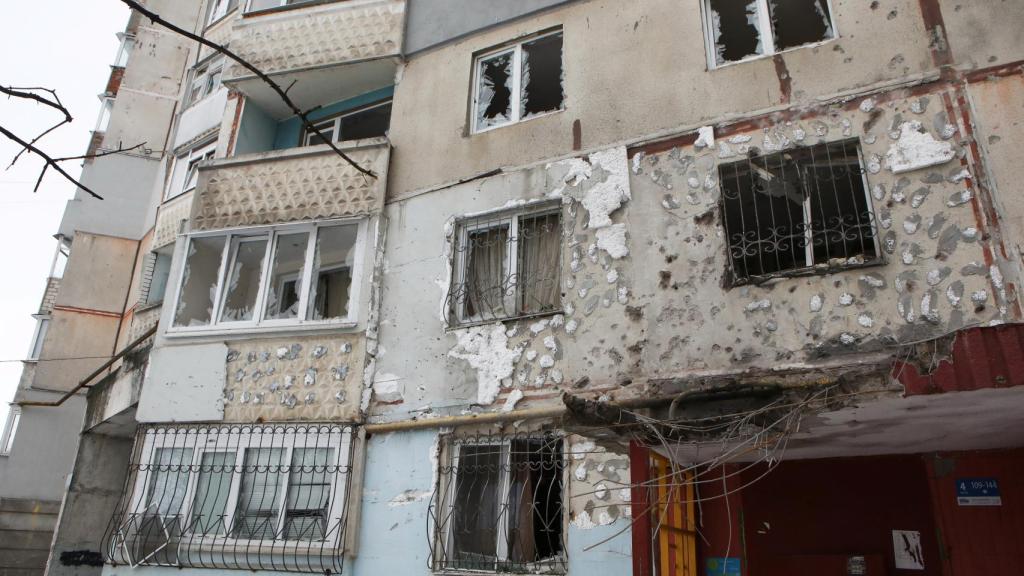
<point x="310" y="183"/>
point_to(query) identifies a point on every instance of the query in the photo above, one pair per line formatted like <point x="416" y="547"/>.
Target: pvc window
<point x="518" y="82"/>
<point x="185" y="176"/>
<point x="42" y="325"/>
<point x="219" y="9"/>
<point x="506" y="266"/>
<point x="737" y="30"/>
<point x="10" y="429"/>
<point x="210" y="490"/>
<point x="369" y="122"/>
<point x="124" y="51"/>
<point x="284" y="276"/>
<point x="106" y="109"/>
<point x="206" y="79"/>
<point x="257" y="5"/>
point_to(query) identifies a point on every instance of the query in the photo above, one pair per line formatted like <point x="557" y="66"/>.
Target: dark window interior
<point x="776" y="206"/>
<point x="737" y="35"/>
<point x="496" y="89"/>
<point x="535" y="501"/>
<point x="370" y="123"/>
<point x="475" y="518"/>
<point x="799" y="22"/>
<point x="542" y="75"/>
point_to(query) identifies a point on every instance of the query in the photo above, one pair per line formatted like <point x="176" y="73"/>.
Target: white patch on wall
<point x="705" y="137"/>
<point x="606" y="197"/>
<point x="916" y="149"/>
<point x="386" y="388"/>
<point x="408" y="497"/>
<point x="613" y="241"/>
<point x="486" y="350"/>
<point x="512" y="400"/>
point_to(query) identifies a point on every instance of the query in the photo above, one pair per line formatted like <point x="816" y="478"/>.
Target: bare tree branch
<point x="50" y="162"/>
<point x="120" y="149"/>
<point x="282" y="93"/>
<point x="28" y="94"/>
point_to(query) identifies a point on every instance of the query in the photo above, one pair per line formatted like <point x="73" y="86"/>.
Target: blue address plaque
<point x="978" y="492"/>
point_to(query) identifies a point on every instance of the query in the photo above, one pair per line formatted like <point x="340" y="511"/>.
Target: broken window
<point x="206" y="79"/>
<point x="518" y="82"/>
<point x="369" y="122"/>
<point x="741" y="29"/>
<point x="264" y="277"/>
<point x="499" y="506"/>
<point x="507" y="266"/>
<point x="240" y="489"/>
<point x="797" y="210"/>
<point x="185" y="175"/>
<point x="218" y="9"/>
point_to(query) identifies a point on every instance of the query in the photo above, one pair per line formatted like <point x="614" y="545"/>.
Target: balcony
<point x="344" y="48"/>
<point x="308" y="183"/>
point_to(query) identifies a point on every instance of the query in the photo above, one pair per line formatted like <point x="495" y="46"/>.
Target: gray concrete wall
<point x="26" y="528"/>
<point x="433" y="22"/>
<point x="43" y="451"/>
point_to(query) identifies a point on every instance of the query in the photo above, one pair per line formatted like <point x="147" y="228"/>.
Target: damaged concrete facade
<point x="553" y="289"/>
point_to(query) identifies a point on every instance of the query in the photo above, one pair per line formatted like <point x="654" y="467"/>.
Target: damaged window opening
<point x="255" y="497"/>
<point x="798" y="210"/>
<point x="518" y="82"/>
<point x="507" y="266"/>
<point x="737" y="30"/>
<point x="499" y="506"/>
<point x="369" y="122"/>
<point x="284" y="276"/>
<point x="185" y="175"/>
<point x="206" y="79"/>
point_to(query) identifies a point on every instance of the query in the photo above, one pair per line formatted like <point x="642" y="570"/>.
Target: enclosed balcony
<point x="342" y="47"/>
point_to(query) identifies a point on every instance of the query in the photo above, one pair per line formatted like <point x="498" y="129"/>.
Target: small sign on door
<point x="978" y="492"/>
<point x="906" y="550"/>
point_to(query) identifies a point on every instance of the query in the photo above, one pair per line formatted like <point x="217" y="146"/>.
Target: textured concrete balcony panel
<point x="168" y="220"/>
<point x="311" y="183"/>
<point x="341" y="49"/>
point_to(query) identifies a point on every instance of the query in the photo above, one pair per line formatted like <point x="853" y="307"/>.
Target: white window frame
<point x="335" y="129"/>
<point x="340" y="441"/>
<point x="10" y="429"/>
<point x="505" y="485"/>
<point x="201" y="86"/>
<point x="39" y="336"/>
<point x="280" y="3"/>
<point x="511" y="221"/>
<point x="192" y="160"/>
<point x="218" y="10"/>
<point x="106" y="111"/>
<point x="516" y="50"/>
<point x="765" y="32"/>
<point x="258" y="322"/>
<point x="124" y="51"/>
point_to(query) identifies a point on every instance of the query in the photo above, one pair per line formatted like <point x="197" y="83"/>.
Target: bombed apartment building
<point x="651" y="287"/>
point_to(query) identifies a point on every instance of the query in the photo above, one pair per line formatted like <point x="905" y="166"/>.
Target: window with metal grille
<point x="498" y="506"/>
<point x="799" y="211"/>
<point x="253" y="497"/>
<point x="506" y="266"/>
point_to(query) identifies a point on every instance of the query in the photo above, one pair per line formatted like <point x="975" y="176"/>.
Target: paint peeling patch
<point x="613" y="241"/>
<point x="583" y="521"/>
<point x="607" y="196"/>
<point x="705" y="137"/>
<point x="486" y="350"/>
<point x="408" y="497"/>
<point x="512" y="400"/>
<point x="916" y="149"/>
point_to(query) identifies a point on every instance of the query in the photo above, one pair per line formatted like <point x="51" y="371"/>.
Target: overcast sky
<point x="66" y="45"/>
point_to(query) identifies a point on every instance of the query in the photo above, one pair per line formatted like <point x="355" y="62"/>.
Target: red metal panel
<point x="991" y="357"/>
<point x="982" y="540"/>
<point x="640" y="498"/>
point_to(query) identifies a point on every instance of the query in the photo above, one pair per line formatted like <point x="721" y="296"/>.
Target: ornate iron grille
<point x="506" y="266"/>
<point x="498" y="505"/>
<point x="252" y="497"/>
<point x="801" y="210"/>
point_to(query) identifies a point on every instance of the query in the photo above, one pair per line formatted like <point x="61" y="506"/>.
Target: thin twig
<point x="283" y="94"/>
<point x="50" y="162"/>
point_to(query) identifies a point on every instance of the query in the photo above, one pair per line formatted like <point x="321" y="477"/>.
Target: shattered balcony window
<point x="742" y="29"/>
<point x="185" y="175"/>
<point x="506" y="266"/>
<point x="253" y="497"/>
<point x="285" y="276"/>
<point x="518" y="82"/>
<point x="498" y="506"/>
<point x="801" y="210"/>
<point x="368" y="122"/>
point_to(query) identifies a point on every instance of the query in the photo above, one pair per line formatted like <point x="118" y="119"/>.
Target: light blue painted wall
<point x="289" y="131"/>
<point x="255" y="131"/>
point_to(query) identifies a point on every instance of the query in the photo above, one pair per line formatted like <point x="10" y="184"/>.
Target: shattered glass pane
<point x="199" y="284"/>
<point x="243" y="282"/>
<point x="286" y="276"/>
<point x="332" y="272"/>
<point x="542" y="76"/>
<point x="736" y="30"/>
<point x="799" y="22"/>
<point x="494" y="91"/>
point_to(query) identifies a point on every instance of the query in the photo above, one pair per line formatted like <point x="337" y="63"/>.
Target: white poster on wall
<point x="906" y="549"/>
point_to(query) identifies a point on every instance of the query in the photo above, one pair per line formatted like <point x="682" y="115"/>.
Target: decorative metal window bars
<point x="506" y="265"/>
<point x="498" y="505"/>
<point x="251" y="497"/>
<point x="799" y="211"/>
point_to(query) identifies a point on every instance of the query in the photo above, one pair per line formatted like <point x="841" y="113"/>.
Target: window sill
<point x="757" y="57"/>
<point x="183" y="333"/>
<point x="518" y="122"/>
<point x="818" y="270"/>
<point x="453" y="326"/>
